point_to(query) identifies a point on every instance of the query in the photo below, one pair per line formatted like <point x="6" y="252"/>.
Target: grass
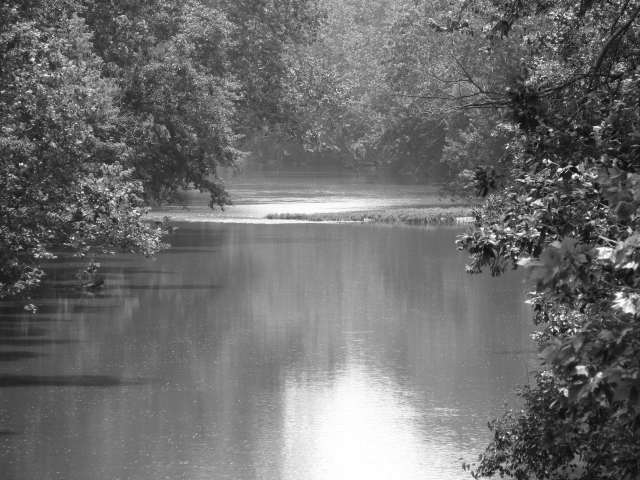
<point x="415" y="216"/>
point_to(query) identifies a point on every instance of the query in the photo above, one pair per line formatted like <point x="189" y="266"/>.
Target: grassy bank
<point x="416" y="216"/>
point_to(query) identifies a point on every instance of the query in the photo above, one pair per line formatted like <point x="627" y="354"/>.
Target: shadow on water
<point x="47" y="305"/>
<point x="92" y="309"/>
<point x="190" y="250"/>
<point x="7" y="380"/>
<point x="78" y="295"/>
<point x="64" y="269"/>
<point x="28" y="317"/>
<point x="15" y="331"/>
<point x="516" y="352"/>
<point x="11" y="309"/>
<point x="34" y="342"/>
<point x="170" y="287"/>
<point x="17" y="356"/>
<point x="67" y="259"/>
<point x="9" y="432"/>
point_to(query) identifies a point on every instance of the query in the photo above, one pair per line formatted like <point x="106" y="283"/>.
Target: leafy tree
<point x="568" y="215"/>
<point x="63" y="182"/>
<point x="264" y="56"/>
<point x="108" y="104"/>
<point x="200" y="75"/>
<point x="352" y="45"/>
<point x="342" y="76"/>
<point x="437" y="68"/>
<point x="169" y="59"/>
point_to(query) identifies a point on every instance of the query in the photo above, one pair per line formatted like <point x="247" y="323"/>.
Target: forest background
<point x="108" y="105"/>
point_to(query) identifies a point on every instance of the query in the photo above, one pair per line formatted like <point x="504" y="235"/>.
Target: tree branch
<point x="608" y="43"/>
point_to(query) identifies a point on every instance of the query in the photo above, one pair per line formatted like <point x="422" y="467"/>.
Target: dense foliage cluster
<point x="436" y="69"/>
<point x="395" y="77"/>
<point x="568" y="214"/>
<point x="106" y="105"/>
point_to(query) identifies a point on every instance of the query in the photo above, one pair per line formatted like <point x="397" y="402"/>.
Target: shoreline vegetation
<point x="413" y="216"/>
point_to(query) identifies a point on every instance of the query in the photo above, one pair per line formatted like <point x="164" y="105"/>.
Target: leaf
<point x="625" y="302"/>
<point x="633" y="241"/>
<point x="622" y="390"/>
<point x="578" y="391"/>
<point x="580" y="371"/>
<point x="550" y="257"/>
<point x="605" y="255"/>
<point x="567" y="244"/>
<point x="550" y="349"/>
<point x="625" y="211"/>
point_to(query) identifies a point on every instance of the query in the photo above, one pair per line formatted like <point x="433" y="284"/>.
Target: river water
<point x="264" y="189"/>
<point x="266" y="351"/>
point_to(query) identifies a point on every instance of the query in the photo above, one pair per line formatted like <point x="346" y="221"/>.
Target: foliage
<point x="197" y="76"/>
<point x="106" y="105"/>
<point x="343" y="70"/>
<point x="393" y="85"/>
<point x="169" y="60"/>
<point x="266" y="56"/>
<point x="568" y="216"/>
<point x="436" y="68"/>
<point x="62" y="183"/>
<point x="562" y="440"/>
<point x="351" y="43"/>
<point x="475" y="139"/>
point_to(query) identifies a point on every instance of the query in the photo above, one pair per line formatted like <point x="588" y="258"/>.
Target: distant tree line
<point x="395" y="70"/>
<point x="106" y="105"/>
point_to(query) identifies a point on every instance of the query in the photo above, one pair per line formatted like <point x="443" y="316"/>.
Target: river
<point x="254" y="350"/>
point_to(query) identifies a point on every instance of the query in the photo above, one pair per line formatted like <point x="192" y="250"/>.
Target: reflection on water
<point x="264" y="189"/>
<point x="365" y="426"/>
<point x="248" y="352"/>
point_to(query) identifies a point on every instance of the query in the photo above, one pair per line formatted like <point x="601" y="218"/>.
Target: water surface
<point x="250" y="351"/>
<point x="265" y="189"/>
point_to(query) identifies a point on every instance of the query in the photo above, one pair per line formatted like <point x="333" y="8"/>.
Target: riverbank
<point x="414" y="216"/>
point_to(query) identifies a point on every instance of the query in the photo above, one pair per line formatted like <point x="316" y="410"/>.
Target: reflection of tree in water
<point x="34" y="342"/>
<point x="14" y="356"/>
<point x="8" y="380"/>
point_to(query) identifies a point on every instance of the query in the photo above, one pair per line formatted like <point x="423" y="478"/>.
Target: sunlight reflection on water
<point x="262" y="190"/>
<point x="364" y="426"/>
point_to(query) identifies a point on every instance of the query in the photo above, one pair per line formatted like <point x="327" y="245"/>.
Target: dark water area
<point x="258" y="351"/>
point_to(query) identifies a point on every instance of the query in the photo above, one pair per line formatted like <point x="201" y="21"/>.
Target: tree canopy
<point x="568" y="215"/>
<point x="392" y="77"/>
<point x="106" y="105"/>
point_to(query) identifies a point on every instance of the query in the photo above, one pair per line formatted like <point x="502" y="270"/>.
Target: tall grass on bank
<point x="416" y="216"/>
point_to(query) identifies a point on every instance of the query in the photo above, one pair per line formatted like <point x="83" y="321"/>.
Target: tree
<point x="568" y="215"/>
<point x="109" y="104"/>
<point x="438" y="67"/>
<point x="341" y="72"/>
<point x="63" y="182"/>
<point x="264" y="58"/>
<point x="352" y="45"/>
<point x="199" y="76"/>
<point x="169" y="59"/>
